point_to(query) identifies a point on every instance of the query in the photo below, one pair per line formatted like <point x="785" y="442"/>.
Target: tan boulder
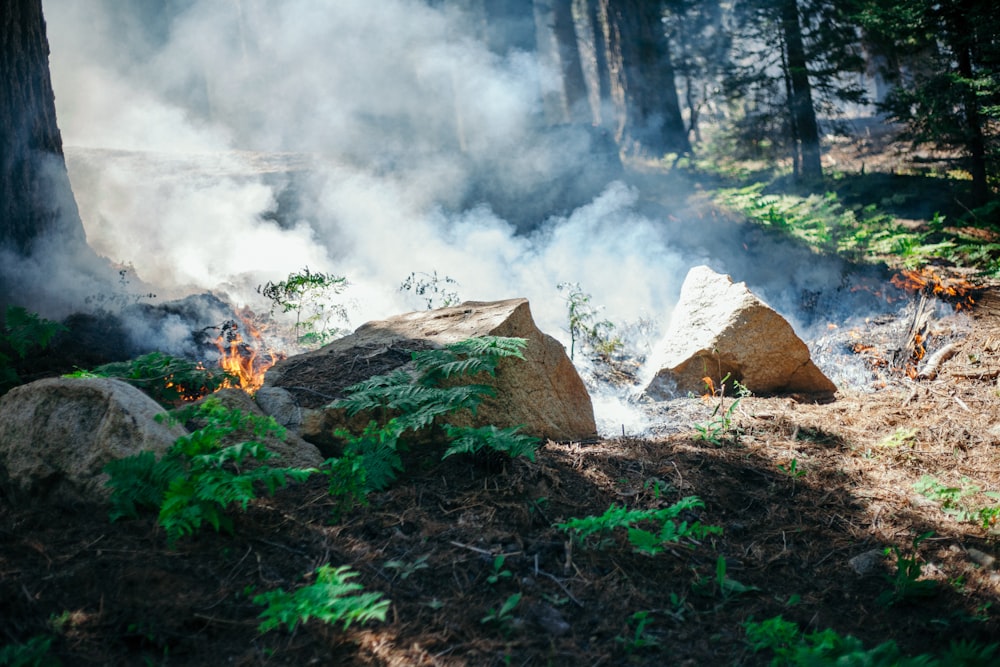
<point x="57" y="434"/>
<point x="544" y="393"/>
<point x="719" y="327"/>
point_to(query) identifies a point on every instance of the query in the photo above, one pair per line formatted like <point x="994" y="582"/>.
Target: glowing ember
<point x="244" y="361"/>
<point x="955" y="290"/>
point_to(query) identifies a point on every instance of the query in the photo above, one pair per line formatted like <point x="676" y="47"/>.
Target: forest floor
<point x="798" y="489"/>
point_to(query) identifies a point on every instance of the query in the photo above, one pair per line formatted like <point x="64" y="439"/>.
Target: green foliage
<point x="638" y="622"/>
<point x="434" y="290"/>
<point x="417" y="399"/>
<point x="594" y="334"/>
<point x="651" y="542"/>
<point x="719" y="428"/>
<point x="309" y="295"/>
<point x="955" y="500"/>
<point x="348" y="482"/>
<point x="906" y="583"/>
<point x="198" y="479"/>
<point x="721" y="583"/>
<point x="170" y="381"/>
<point x="791" y="646"/>
<point x="792" y="469"/>
<point x="406" y="570"/>
<point x="22" y="333"/>
<point x="33" y="653"/>
<point x="498" y="573"/>
<point x="504" y="614"/>
<point x="331" y="599"/>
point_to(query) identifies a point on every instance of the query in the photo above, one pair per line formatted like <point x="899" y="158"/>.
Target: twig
<point x="930" y="369"/>
<point x="560" y="585"/>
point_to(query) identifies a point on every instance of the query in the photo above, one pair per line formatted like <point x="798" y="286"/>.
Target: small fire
<point x="954" y="290"/>
<point x="241" y="359"/>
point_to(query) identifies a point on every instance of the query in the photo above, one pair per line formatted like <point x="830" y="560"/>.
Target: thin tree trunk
<point x="803" y="112"/>
<point x="574" y="84"/>
<point x="598" y="19"/>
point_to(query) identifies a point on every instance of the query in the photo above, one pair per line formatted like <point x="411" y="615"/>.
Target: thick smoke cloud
<point x="219" y="145"/>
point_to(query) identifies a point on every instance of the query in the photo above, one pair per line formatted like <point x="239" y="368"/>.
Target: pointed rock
<point x="719" y="327"/>
<point x="544" y="393"/>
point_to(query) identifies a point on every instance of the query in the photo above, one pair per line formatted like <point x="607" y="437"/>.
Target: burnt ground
<point x="114" y="593"/>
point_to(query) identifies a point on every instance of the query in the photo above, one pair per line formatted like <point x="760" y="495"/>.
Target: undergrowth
<point x="23" y="332"/>
<point x="409" y="403"/>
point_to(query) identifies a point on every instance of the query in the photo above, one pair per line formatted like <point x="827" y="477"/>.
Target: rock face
<point x="57" y="434"/>
<point x="544" y="393"/>
<point x="292" y="451"/>
<point x="720" y="327"/>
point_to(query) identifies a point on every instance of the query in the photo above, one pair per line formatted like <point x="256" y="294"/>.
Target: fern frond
<point x="467" y="440"/>
<point x="493" y="346"/>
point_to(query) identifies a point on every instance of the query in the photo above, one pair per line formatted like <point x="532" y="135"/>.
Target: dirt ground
<point x="799" y="490"/>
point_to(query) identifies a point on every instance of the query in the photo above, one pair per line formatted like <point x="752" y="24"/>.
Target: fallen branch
<point x="930" y="369"/>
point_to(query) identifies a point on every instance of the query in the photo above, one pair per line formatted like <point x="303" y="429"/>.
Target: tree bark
<point x="801" y="103"/>
<point x="642" y="79"/>
<point x="36" y="201"/>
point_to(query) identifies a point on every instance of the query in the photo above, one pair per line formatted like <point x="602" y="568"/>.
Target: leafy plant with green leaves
<point x="198" y="479"/>
<point x="955" y="500"/>
<point x="32" y="653"/>
<point x="719" y="429"/>
<point x="504" y="614"/>
<point x="405" y="569"/>
<point x="436" y="291"/>
<point x="23" y="332"/>
<point x="411" y="401"/>
<point x="906" y="583"/>
<point x="585" y="326"/>
<point x="332" y="599"/>
<point x="721" y="583"/>
<point x="790" y="646"/>
<point x="498" y="572"/>
<point x="169" y="380"/>
<point x="664" y="531"/>
<point x="792" y="470"/>
<point x="638" y="639"/>
<point x="309" y="294"/>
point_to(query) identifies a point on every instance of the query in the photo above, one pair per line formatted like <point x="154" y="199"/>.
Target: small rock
<point x="981" y="558"/>
<point x="549" y="619"/>
<point x="867" y="563"/>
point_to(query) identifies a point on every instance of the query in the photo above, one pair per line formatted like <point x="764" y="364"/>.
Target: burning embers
<point x="956" y="291"/>
<point x="243" y="359"/>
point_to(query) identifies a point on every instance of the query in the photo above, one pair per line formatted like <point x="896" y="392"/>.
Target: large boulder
<point x="719" y="327"/>
<point x="544" y="393"/>
<point x="57" y="434"/>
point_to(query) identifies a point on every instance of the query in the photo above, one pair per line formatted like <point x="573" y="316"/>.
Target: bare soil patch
<point x="115" y="594"/>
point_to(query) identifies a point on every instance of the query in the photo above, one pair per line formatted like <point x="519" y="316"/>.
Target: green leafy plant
<point x="198" y="479"/>
<point x="418" y="398"/>
<point x="719" y="428"/>
<point x="332" y="599"/>
<point x="638" y="639"/>
<point x="592" y="333"/>
<point x="498" y="573"/>
<point x="664" y="531"/>
<point x="309" y="294"/>
<point x="170" y="381"/>
<point x="407" y="569"/>
<point x="790" y="646"/>
<point x="504" y="614"/>
<point x="22" y="333"/>
<point x="906" y="583"/>
<point x="436" y="291"/>
<point x="348" y="483"/>
<point x="721" y="583"/>
<point x="32" y="653"/>
<point x="792" y="469"/>
<point x="956" y="500"/>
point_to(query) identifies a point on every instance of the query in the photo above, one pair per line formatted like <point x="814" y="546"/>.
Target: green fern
<point x="417" y="401"/>
<point x="198" y="479"/>
<point x="330" y="599"/>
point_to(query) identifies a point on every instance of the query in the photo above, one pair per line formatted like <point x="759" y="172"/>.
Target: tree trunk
<point x="596" y="13"/>
<point x="574" y="84"/>
<point x="36" y="201"/>
<point x="801" y="104"/>
<point x="642" y="79"/>
<point x="962" y="38"/>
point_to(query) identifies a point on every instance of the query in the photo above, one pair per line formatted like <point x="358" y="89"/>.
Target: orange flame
<point x="955" y="290"/>
<point x="242" y="360"/>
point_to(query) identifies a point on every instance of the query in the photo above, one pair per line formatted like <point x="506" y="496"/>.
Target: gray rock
<point x="869" y="562"/>
<point x="57" y="434"/>
<point x="719" y="327"/>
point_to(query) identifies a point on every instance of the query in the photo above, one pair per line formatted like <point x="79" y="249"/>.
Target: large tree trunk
<point x="36" y="201"/>
<point x="801" y="103"/>
<point x="642" y="79"/>
<point x="559" y="50"/>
